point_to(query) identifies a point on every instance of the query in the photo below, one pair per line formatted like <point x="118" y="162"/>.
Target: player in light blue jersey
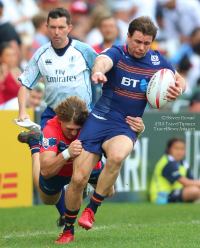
<point x="65" y="66"/>
<point x="123" y="70"/>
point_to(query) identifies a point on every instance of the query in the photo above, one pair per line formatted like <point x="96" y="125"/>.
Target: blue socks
<point x="61" y="203"/>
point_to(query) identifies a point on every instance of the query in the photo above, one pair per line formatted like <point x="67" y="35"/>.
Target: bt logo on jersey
<point x="128" y="81"/>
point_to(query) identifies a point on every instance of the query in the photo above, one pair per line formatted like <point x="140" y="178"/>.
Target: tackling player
<point x="59" y="146"/>
<point x="123" y="70"/>
<point x="65" y="65"/>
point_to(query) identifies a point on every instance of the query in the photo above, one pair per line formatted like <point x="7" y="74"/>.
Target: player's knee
<point x="116" y="158"/>
<point x="79" y="180"/>
<point x="110" y="193"/>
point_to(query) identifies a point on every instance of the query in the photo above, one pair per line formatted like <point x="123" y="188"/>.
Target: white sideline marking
<point x="15" y="235"/>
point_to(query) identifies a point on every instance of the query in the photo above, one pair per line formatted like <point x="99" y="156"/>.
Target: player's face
<point x="58" y="30"/>
<point x="177" y="150"/>
<point x="70" y="129"/>
<point x="139" y="44"/>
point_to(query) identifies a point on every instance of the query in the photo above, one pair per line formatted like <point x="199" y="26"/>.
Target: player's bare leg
<point x="36" y="169"/>
<point x="110" y="193"/>
<point x="82" y="167"/>
<point x="117" y="149"/>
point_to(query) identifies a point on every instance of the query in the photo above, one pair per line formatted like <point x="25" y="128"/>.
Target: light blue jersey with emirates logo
<point x="64" y="75"/>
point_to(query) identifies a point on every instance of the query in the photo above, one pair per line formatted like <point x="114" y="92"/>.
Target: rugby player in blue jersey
<point x="122" y="70"/>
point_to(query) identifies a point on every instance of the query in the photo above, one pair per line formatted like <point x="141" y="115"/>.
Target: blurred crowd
<point x="100" y="23"/>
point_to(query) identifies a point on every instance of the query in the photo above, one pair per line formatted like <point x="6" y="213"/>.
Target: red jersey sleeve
<point x="50" y="140"/>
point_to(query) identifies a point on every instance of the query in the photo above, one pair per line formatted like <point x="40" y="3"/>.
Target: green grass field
<point x="117" y="225"/>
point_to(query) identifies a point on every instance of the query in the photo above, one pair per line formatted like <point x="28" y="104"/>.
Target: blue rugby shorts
<point x="96" y="131"/>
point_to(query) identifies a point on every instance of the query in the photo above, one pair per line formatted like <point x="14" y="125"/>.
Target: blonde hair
<point x="73" y="109"/>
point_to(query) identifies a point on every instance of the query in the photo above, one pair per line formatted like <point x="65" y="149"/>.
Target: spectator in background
<point x="108" y="28"/>
<point x="172" y="180"/>
<point x="41" y="35"/>
<point x="183" y="69"/>
<point x="122" y="13"/>
<point x="194" y="73"/>
<point x="9" y="73"/>
<point x="144" y="8"/>
<point x="188" y="48"/>
<point x="48" y="5"/>
<point x="36" y="96"/>
<point x="94" y="36"/>
<point x="180" y="17"/>
<point x="9" y="34"/>
<point x="19" y="13"/>
<point x="79" y="16"/>
<point x="77" y="33"/>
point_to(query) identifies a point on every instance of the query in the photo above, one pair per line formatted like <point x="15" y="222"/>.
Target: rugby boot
<point x="65" y="237"/>
<point x="86" y="219"/>
<point x="24" y="137"/>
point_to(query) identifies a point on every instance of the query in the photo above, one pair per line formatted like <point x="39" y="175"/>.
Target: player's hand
<point x="174" y="92"/>
<point x="136" y="124"/>
<point x="23" y="116"/>
<point x="75" y="148"/>
<point x="99" y="78"/>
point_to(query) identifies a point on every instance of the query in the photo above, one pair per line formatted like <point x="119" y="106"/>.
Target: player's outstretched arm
<point x="22" y="96"/>
<point x="51" y="163"/>
<point x="177" y="90"/>
<point x="101" y="66"/>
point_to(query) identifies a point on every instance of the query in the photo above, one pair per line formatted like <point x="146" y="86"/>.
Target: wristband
<point x="66" y="154"/>
<point x="98" y="73"/>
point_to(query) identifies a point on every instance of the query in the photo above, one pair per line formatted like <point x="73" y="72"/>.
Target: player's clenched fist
<point x="75" y="148"/>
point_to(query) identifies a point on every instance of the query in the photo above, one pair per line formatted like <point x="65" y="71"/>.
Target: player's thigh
<point x="50" y="189"/>
<point x="49" y="199"/>
<point x="118" y="147"/>
<point x="84" y="163"/>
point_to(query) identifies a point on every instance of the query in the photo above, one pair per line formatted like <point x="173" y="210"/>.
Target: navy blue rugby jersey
<point x="125" y="91"/>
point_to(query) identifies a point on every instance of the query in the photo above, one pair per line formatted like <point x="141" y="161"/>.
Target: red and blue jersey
<point x="55" y="140"/>
<point x="124" y="93"/>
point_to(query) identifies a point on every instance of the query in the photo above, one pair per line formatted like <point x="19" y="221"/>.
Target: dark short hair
<point x="57" y="13"/>
<point x="3" y="46"/>
<point x="172" y="140"/>
<point x="143" y="24"/>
